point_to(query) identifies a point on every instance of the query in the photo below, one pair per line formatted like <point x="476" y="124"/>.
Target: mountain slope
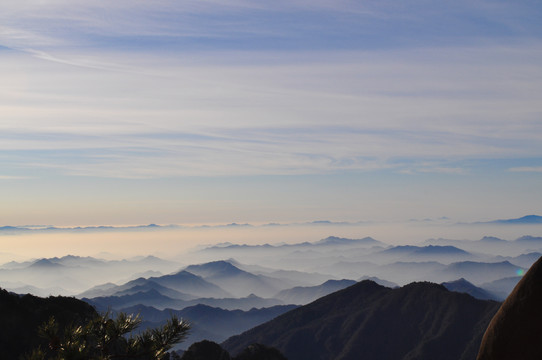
<point x="418" y="321"/>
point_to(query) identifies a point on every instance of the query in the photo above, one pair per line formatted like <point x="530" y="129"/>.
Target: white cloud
<point x="168" y="114"/>
<point x="535" y="169"/>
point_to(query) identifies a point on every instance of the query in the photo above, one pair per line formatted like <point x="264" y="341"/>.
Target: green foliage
<point x="104" y="338"/>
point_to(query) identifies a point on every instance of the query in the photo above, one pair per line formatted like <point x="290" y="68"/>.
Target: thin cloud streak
<point x="534" y="169"/>
<point x="355" y="111"/>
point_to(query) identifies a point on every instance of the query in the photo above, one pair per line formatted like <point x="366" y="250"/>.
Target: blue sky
<point x="132" y="112"/>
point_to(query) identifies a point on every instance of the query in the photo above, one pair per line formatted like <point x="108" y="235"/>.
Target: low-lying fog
<point x="174" y="242"/>
<point x="118" y="255"/>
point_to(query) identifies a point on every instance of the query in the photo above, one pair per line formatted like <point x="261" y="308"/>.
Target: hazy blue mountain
<point x="76" y="273"/>
<point x="379" y="281"/>
<point x="106" y="289"/>
<point x="492" y="240"/>
<point x="422" y="321"/>
<point x="333" y="241"/>
<point x="43" y="292"/>
<point x="245" y="303"/>
<point x="238" y="282"/>
<point x="528" y="219"/>
<point x="15" y="265"/>
<point x="338" y="241"/>
<point x="530" y="240"/>
<point x="45" y="265"/>
<point x="501" y="287"/>
<point x="488" y="245"/>
<point x="299" y="277"/>
<point x="481" y="272"/>
<point x="403" y="272"/>
<point x="150" y="298"/>
<point x="442" y="253"/>
<point x="305" y="294"/>
<point x="155" y="299"/>
<point x="524" y="260"/>
<point x="151" y="285"/>
<point x="180" y="285"/>
<point x="74" y="261"/>
<point x="208" y="322"/>
<point x="189" y="283"/>
<point x="430" y="250"/>
<point x="13" y="229"/>
<point x="463" y="286"/>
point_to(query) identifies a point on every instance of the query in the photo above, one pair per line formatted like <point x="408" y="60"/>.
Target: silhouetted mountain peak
<point x="528" y="219"/>
<point x="492" y="239"/>
<point x="425" y="250"/>
<point x="530" y="239"/>
<point x="418" y="321"/>
<point x="45" y="263"/>
<point x="213" y="268"/>
<point x="334" y="240"/>
<point x="464" y="286"/>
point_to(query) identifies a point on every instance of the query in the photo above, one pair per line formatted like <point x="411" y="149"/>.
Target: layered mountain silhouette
<point x="305" y="294"/>
<point x="156" y="299"/>
<point x="528" y="219"/>
<point x="181" y="285"/>
<point x="463" y="286"/>
<point x="418" y="321"/>
<point x="515" y="332"/>
<point x="502" y="287"/>
<point x="423" y="253"/>
<point x="479" y="272"/>
<point x="209" y="323"/>
<point x="237" y="281"/>
<point x="69" y="275"/>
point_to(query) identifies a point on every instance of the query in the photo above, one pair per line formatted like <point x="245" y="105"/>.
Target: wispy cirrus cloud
<point x="292" y="25"/>
<point x="350" y="111"/>
<point x="163" y="88"/>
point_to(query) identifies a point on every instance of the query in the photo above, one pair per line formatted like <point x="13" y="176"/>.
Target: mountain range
<point x="207" y="322"/>
<point x="417" y="321"/>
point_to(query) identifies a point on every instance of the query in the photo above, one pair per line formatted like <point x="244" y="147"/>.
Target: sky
<point x="212" y="112"/>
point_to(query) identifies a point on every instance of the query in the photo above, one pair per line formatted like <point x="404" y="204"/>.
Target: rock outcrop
<point x="515" y="332"/>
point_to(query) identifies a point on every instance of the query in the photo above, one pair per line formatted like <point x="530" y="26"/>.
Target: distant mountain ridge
<point x="329" y="241"/>
<point x="209" y="323"/>
<point x="463" y="286"/>
<point x="237" y="281"/>
<point x="527" y="219"/>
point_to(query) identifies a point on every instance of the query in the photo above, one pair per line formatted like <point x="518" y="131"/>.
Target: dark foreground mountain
<point x="208" y="350"/>
<point x="20" y="317"/>
<point x="369" y="321"/>
<point x="515" y="332"/>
